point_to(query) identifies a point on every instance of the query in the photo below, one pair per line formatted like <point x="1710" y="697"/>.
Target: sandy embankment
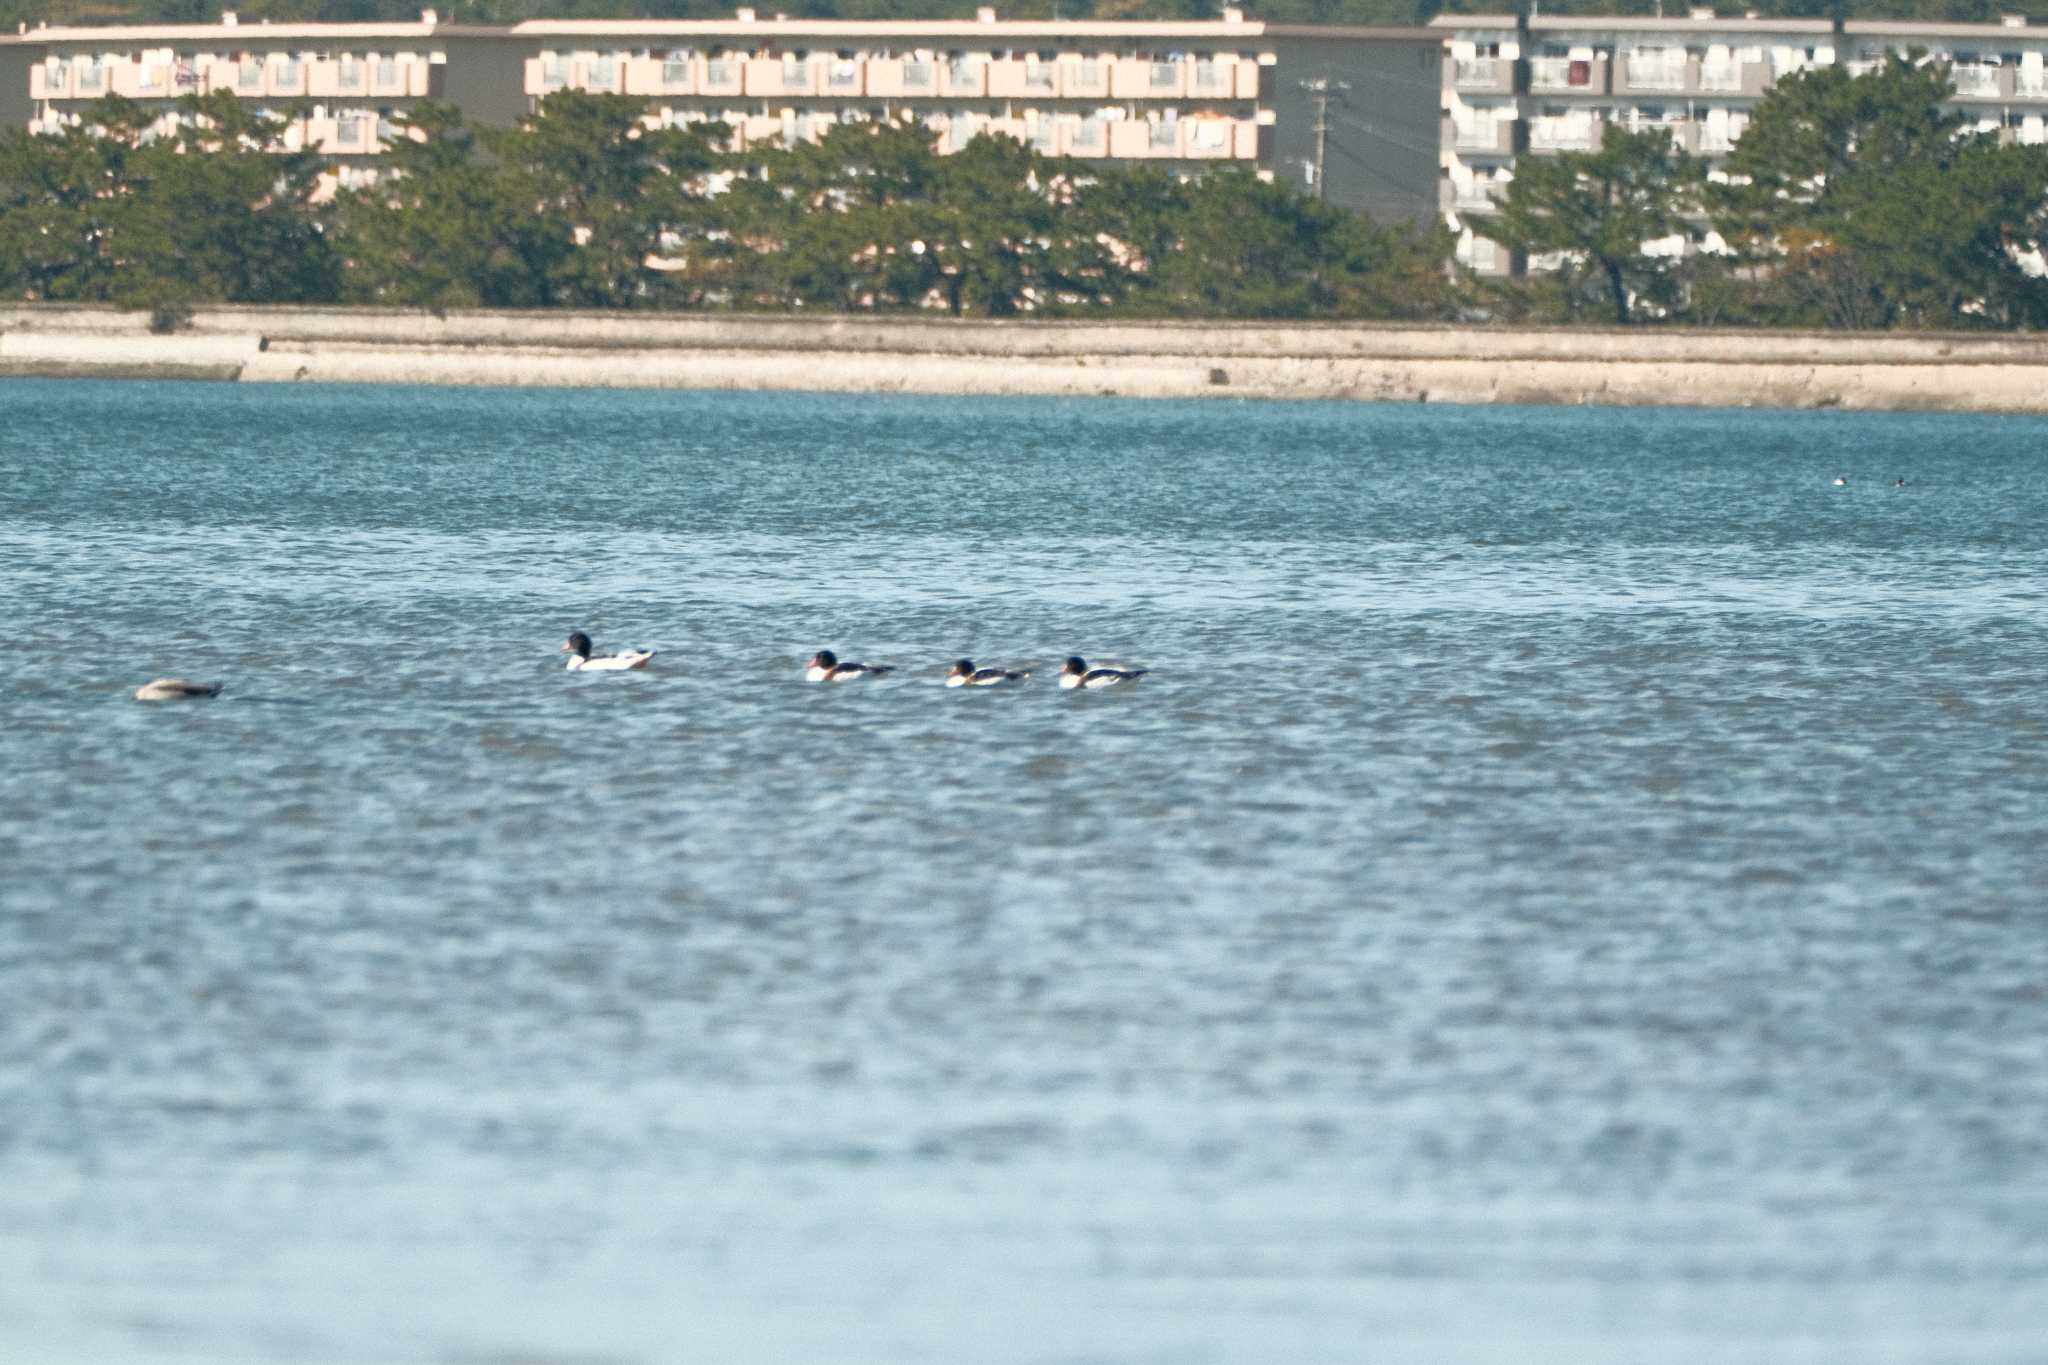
<point x="1959" y="372"/>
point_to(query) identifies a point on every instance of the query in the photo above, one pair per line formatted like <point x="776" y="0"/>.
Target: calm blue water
<point x="1571" y="890"/>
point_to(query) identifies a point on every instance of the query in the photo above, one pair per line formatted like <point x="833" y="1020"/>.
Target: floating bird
<point x="1077" y="673"/>
<point x="577" y="647"/>
<point x="1841" y="481"/>
<point x="175" y="689"/>
<point x="965" y="674"/>
<point x="824" y="666"/>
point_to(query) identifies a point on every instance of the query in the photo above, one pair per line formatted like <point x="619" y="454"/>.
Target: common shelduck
<point x="965" y="674"/>
<point x="824" y="666"/>
<point x="577" y="647"/>
<point x="175" y="689"/>
<point x="1077" y="673"/>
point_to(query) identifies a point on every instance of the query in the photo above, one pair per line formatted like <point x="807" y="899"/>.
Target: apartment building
<point x="1545" y="84"/>
<point x="1184" y="96"/>
<point x="337" y="86"/>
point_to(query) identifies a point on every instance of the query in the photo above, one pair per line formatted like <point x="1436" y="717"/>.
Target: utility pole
<point x="1319" y="90"/>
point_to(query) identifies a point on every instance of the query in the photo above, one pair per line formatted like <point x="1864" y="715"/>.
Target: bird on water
<point x="175" y="689"/>
<point x="965" y="674"/>
<point x="1077" y="673"/>
<point x="581" y="660"/>
<point x="824" y="666"/>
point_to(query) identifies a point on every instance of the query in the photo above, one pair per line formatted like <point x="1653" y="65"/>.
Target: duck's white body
<point x="611" y="663"/>
<point x="842" y="672"/>
<point x="175" y="689"/>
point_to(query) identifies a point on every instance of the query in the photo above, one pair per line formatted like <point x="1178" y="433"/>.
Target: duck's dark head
<point x="824" y="658"/>
<point x="1076" y="664"/>
<point x="964" y="668"/>
<point x="578" y="644"/>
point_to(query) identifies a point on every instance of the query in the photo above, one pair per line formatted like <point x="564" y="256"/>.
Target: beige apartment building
<point x="1185" y="96"/>
<point x="1547" y="84"/>
<point x="1173" y="93"/>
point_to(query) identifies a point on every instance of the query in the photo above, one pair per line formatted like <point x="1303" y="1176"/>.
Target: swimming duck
<point x="1077" y="673"/>
<point x="175" y="689"/>
<point x="577" y="647"/>
<point x="824" y="666"/>
<point x="1841" y="481"/>
<point x="965" y="674"/>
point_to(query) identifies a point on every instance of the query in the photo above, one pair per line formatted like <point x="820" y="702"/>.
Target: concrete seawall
<point x="1949" y="372"/>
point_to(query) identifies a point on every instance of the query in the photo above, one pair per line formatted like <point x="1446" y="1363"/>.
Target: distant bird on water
<point x="824" y="666"/>
<point x="1077" y="673"/>
<point x="1841" y="481"/>
<point x="581" y="660"/>
<point x="965" y="674"/>
<point x="175" y="689"/>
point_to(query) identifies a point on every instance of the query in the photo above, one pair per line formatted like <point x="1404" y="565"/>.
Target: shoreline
<point x="1957" y="372"/>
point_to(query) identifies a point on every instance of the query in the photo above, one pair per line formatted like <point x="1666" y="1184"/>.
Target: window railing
<point x="1164" y="136"/>
<point x="1209" y="77"/>
<point x="1038" y="77"/>
<point x="843" y="75"/>
<point x="2031" y="84"/>
<point x="1085" y="76"/>
<point x="388" y="77"/>
<point x="350" y="76"/>
<point x="718" y="71"/>
<point x="349" y="130"/>
<point x="91" y="78"/>
<point x="1560" y="73"/>
<point x="289" y="74"/>
<point x="1165" y="75"/>
<point x="1087" y="135"/>
<point x="249" y="78"/>
<point x="1478" y="137"/>
<point x="962" y="72"/>
<point x="604" y="73"/>
<point x="555" y="73"/>
<point x="795" y="73"/>
<point x="917" y="75"/>
<point x="675" y="71"/>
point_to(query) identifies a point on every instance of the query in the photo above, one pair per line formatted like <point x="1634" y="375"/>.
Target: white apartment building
<point x="337" y="86"/>
<point x="1516" y="88"/>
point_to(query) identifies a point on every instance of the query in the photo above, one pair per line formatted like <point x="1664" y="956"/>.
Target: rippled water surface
<point x="1570" y="890"/>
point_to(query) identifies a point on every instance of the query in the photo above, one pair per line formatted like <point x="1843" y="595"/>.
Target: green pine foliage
<point x="583" y="205"/>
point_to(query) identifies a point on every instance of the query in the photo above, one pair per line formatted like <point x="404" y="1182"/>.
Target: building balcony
<point x="1086" y="137"/>
<point x="672" y="75"/>
<point x="1684" y="133"/>
<point x="1484" y="75"/>
<point x="843" y="76"/>
<point x="1087" y="78"/>
<point x="963" y="79"/>
<point x="2030" y="84"/>
<point x="1979" y="82"/>
<point x="768" y="76"/>
<point x="1570" y="75"/>
<point x="901" y="77"/>
<point x="1565" y="135"/>
<point x="1140" y="78"/>
<point x="1493" y="137"/>
<point x="1654" y="75"/>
